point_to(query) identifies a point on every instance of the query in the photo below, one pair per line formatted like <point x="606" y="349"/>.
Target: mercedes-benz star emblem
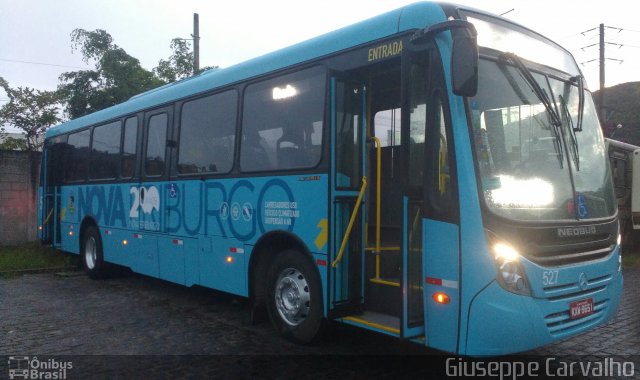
<point x="582" y="281"/>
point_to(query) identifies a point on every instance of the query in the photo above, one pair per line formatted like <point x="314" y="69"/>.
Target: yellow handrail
<point x="378" y="201"/>
<point x="47" y="218"/>
<point x="351" y="221"/>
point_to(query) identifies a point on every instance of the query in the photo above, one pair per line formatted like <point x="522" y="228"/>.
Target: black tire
<point x="91" y="254"/>
<point x="294" y="297"/>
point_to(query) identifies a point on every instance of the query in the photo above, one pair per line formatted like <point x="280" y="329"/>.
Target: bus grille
<point x="558" y="258"/>
<point x="560" y="324"/>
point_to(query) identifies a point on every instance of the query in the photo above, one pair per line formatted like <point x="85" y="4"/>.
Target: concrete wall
<point x="18" y="196"/>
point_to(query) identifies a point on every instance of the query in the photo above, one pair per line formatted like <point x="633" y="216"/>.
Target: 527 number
<point x="549" y="277"/>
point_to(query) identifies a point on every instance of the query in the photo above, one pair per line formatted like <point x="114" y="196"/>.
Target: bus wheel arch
<point x="91" y="249"/>
<point x="294" y="297"/>
<point x="266" y="249"/>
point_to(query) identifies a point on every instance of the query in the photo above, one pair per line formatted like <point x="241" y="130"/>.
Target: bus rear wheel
<point x="92" y="258"/>
<point x="294" y="298"/>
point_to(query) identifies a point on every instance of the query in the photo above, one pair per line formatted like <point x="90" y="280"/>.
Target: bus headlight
<point x="510" y="273"/>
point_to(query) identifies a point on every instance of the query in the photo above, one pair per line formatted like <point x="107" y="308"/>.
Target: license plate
<point x="581" y="308"/>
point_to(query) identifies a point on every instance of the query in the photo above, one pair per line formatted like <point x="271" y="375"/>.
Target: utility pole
<point x="602" y="109"/>
<point x="196" y="44"/>
<point x="601" y="94"/>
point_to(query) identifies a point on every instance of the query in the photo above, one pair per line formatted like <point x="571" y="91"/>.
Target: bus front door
<point x="50" y="211"/>
<point x="434" y="269"/>
<point x="347" y="198"/>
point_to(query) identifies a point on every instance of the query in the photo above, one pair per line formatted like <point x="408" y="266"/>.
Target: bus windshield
<point x="534" y="166"/>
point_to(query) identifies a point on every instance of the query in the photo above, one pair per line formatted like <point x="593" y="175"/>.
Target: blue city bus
<point x="436" y="173"/>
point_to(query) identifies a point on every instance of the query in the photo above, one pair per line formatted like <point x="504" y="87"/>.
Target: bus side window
<point x="156" y="143"/>
<point x="280" y="117"/>
<point x="129" y="144"/>
<point x="77" y="157"/>
<point x="105" y="149"/>
<point x="207" y="134"/>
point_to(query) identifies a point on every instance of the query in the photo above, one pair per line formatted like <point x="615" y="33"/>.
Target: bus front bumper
<point x="502" y="323"/>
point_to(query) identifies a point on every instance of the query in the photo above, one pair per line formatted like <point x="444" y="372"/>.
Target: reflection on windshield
<point x="521" y="193"/>
<point x="522" y="149"/>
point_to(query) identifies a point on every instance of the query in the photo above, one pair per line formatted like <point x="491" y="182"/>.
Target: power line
<point x="40" y="63"/>
<point x="628" y="30"/>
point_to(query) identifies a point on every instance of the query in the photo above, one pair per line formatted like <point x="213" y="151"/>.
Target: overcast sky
<point x="231" y="31"/>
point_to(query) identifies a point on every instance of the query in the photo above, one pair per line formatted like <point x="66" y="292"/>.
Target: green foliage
<point x="117" y="75"/>
<point x="11" y="143"/>
<point x="29" y="110"/>
<point x="180" y="63"/>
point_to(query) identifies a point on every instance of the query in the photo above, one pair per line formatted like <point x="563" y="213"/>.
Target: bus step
<point x="386" y="281"/>
<point x="385" y="323"/>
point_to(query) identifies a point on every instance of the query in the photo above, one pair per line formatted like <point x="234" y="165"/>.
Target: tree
<point x="180" y="63"/>
<point x="117" y="75"/>
<point x="12" y="143"/>
<point x="30" y="111"/>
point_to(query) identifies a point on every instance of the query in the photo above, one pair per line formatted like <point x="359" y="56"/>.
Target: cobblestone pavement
<point x="49" y="314"/>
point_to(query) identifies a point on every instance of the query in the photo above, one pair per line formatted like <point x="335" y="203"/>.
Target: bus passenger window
<point x="156" y="144"/>
<point x="207" y="134"/>
<point x="282" y="122"/>
<point x="105" y="151"/>
<point x="77" y="161"/>
<point x="129" y="143"/>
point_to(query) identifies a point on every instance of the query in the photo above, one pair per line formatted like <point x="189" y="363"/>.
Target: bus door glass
<point x="146" y="214"/>
<point x="440" y="211"/>
<point x="53" y="157"/>
<point x="414" y="121"/>
<point x="347" y="193"/>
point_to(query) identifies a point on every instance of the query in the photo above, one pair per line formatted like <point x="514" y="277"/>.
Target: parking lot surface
<point x="53" y="315"/>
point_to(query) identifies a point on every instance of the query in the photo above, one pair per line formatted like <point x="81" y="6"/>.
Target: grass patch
<point x="33" y="256"/>
<point x="631" y="260"/>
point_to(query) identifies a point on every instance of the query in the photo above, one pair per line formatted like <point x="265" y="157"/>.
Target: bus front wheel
<point x="294" y="297"/>
<point x="92" y="259"/>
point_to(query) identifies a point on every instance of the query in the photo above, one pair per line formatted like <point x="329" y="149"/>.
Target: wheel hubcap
<point x="292" y="296"/>
<point x="90" y="254"/>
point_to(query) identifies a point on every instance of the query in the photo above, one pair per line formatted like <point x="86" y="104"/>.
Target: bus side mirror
<point x="464" y="65"/>
<point x="464" y="53"/>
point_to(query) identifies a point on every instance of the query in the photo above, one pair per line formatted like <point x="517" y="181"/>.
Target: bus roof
<point x="413" y="16"/>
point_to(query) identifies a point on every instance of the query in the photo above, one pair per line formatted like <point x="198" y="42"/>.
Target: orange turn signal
<point x="229" y="259"/>
<point x="441" y="298"/>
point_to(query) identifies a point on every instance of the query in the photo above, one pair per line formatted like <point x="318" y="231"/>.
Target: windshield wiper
<point x="572" y="131"/>
<point x="554" y="118"/>
<point x="580" y="80"/>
